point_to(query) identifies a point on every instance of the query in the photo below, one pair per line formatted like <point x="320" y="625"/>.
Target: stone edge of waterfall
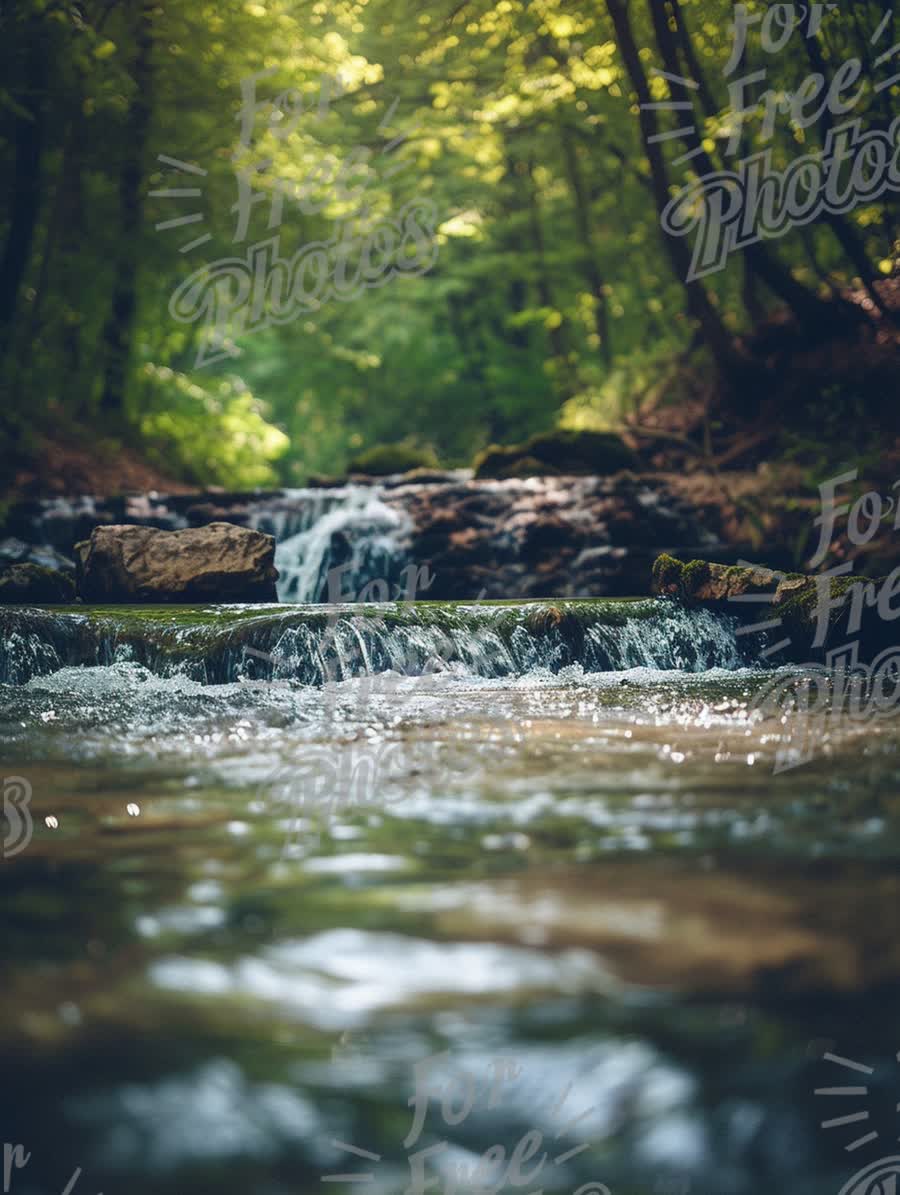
<point x="317" y="644"/>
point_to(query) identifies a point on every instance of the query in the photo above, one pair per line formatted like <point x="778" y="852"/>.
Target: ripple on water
<point x="341" y="978"/>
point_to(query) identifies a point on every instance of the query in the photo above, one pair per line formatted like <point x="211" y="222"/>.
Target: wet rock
<point x="705" y="581"/>
<point x="32" y="584"/>
<point x="216" y="563"/>
<point x="552" y="533"/>
<point x="435" y="531"/>
<point x="544" y="538"/>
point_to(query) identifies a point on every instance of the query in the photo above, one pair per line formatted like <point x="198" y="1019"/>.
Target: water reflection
<point x="213" y="974"/>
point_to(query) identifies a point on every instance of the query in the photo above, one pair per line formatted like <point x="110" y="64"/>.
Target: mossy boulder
<point x="703" y="581"/>
<point x="559" y="452"/>
<point x="34" y="585"/>
<point x="385" y="459"/>
<point x="809" y="616"/>
<point x="501" y="464"/>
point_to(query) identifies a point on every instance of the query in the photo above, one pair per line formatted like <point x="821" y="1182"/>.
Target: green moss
<point x="556" y="452"/>
<point x="602" y="452"/>
<point x="494" y="461"/>
<point x="805" y="604"/>
<point x="504" y="463"/>
<point x="174" y="633"/>
<point x="695" y="572"/>
<point x="385" y="459"/>
<point x="667" y="575"/>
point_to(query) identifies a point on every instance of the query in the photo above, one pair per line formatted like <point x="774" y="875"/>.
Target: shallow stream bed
<point x="295" y="925"/>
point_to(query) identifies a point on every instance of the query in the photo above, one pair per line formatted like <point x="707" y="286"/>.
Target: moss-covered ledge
<point x="217" y="644"/>
<point x="812" y="616"/>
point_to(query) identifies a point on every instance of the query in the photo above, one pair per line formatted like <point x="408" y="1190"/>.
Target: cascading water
<point x="352" y="530"/>
<point x="308" y="646"/>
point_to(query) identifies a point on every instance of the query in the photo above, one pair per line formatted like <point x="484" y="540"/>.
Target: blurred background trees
<point x="555" y="298"/>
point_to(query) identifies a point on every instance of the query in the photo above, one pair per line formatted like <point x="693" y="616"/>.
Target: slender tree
<point x="698" y="300"/>
<point x="589" y="252"/>
<point x="803" y="302"/>
<point x="26" y="182"/>
<point x="119" y="329"/>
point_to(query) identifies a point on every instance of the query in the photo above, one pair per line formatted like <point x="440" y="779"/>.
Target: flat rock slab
<point x="217" y="563"/>
<point x="811" y="616"/>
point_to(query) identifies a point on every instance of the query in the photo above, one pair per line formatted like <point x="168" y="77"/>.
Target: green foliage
<point x="217" y="435"/>
<point x="552" y="299"/>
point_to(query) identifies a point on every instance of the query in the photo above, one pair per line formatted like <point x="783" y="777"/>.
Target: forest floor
<point x="61" y="466"/>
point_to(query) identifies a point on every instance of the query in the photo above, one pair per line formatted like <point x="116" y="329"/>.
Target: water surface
<point x="252" y="908"/>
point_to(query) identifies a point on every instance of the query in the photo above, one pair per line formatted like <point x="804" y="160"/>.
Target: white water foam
<point x="353" y="522"/>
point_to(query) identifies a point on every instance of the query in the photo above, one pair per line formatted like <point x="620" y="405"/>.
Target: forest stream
<point x="296" y="853"/>
<point x="449" y="597"/>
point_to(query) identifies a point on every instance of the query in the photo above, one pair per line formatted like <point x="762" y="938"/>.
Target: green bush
<point x="216" y="435"/>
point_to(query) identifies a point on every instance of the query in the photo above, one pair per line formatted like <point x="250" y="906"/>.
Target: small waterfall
<point x="308" y="645"/>
<point x="293" y="511"/>
<point x="345" y="546"/>
<point x="686" y="640"/>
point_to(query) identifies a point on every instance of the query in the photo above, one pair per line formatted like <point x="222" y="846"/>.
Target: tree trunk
<point x="516" y="333"/>
<point x="750" y="295"/>
<point x="26" y="194"/>
<point x="807" y="306"/>
<point x="119" y="330"/>
<point x="559" y="341"/>
<point x="843" y="228"/>
<point x="692" y="62"/>
<point x="699" y="305"/>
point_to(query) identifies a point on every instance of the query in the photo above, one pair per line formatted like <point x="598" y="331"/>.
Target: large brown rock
<point x="216" y="563"/>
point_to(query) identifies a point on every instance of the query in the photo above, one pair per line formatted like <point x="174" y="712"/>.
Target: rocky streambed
<point x="539" y="537"/>
<point x="297" y="892"/>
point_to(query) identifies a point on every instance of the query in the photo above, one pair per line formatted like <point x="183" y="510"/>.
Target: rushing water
<point x="282" y="856"/>
<point x="321" y="531"/>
